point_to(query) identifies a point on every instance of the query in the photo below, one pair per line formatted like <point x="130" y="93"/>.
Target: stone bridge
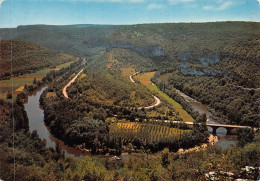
<point x="228" y="127"/>
<point x="215" y="126"/>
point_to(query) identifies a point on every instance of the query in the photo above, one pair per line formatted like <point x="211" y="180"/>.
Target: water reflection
<point x="36" y="122"/>
<point x="224" y="141"/>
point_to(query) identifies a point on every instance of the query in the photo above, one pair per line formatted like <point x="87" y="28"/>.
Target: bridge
<point x="215" y="126"/>
<point x="229" y="128"/>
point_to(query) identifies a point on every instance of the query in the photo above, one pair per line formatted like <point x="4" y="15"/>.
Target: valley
<point x="124" y="101"/>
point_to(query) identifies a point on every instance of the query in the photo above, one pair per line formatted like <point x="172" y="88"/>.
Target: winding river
<point x="35" y="115"/>
<point x="224" y="141"/>
<point x="36" y="122"/>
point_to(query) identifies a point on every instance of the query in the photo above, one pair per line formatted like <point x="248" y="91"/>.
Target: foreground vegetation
<point x="33" y="161"/>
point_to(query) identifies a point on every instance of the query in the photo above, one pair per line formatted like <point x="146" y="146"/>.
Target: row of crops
<point x="144" y="131"/>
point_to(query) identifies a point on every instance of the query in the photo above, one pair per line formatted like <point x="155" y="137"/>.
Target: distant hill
<point x="190" y="45"/>
<point x="27" y="57"/>
<point x="82" y="40"/>
<point x="221" y="39"/>
<point x="224" y="39"/>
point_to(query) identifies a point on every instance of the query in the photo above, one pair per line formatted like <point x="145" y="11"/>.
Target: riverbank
<point x="211" y="140"/>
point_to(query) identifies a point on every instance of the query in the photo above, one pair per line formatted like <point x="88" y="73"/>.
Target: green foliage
<point x="9" y="95"/>
<point x="232" y="104"/>
<point x="82" y="40"/>
<point x="27" y="58"/>
<point x="88" y="131"/>
<point x="226" y="39"/>
<point x="245" y="136"/>
<point x="88" y="168"/>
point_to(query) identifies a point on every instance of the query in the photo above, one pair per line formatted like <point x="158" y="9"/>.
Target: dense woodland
<point x="233" y="105"/>
<point x="79" y="40"/>
<point x="227" y="39"/>
<point x="27" y="58"/>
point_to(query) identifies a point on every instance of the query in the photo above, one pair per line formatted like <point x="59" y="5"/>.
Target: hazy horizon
<point x="125" y="24"/>
<point x="124" y="12"/>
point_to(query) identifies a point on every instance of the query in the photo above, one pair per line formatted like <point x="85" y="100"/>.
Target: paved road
<point x="131" y="76"/>
<point x="245" y="88"/>
<point x="66" y="86"/>
<point x="157" y="100"/>
<point x="212" y="124"/>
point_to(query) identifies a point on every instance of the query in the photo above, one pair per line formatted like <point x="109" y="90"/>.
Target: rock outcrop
<point x="187" y="69"/>
<point x="201" y="60"/>
<point x="149" y="51"/>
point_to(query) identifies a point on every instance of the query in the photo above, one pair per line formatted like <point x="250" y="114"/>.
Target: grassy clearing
<point x="64" y="65"/>
<point x="164" y="96"/>
<point x="20" y="89"/>
<point x="51" y="94"/>
<point x="42" y="72"/>
<point x="82" y="76"/>
<point x="145" y="78"/>
<point x="126" y="72"/>
<point x="164" y="77"/>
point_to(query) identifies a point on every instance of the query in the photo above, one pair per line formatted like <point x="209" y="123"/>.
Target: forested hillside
<point x="215" y="63"/>
<point x="25" y="58"/>
<point x="81" y="40"/>
<point x="224" y="39"/>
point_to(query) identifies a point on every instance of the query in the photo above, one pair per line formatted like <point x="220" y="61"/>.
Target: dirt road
<point x="66" y="86"/>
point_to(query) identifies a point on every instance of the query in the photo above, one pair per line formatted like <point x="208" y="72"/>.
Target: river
<point x="35" y="115"/>
<point x="224" y="141"/>
<point x="36" y="122"/>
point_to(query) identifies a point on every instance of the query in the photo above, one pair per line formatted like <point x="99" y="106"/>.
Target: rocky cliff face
<point x="151" y="51"/>
<point x="201" y="60"/>
<point x="187" y="69"/>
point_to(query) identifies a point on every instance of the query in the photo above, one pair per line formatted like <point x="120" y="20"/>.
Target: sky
<point x="64" y="12"/>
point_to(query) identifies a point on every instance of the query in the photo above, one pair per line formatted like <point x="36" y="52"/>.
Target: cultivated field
<point x="145" y="78"/>
<point x="17" y="83"/>
<point x="149" y="132"/>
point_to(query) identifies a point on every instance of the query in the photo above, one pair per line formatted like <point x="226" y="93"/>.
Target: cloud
<point x="180" y="1"/>
<point x="136" y="1"/>
<point x="1" y="1"/>
<point x="225" y="5"/>
<point x="155" y="6"/>
<point x="90" y="1"/>
<point x="220" y="5"/>
<point x="112" y="1"/>
<point x="207" y="7"/>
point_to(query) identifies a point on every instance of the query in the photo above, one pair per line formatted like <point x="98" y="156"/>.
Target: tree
<point x="202" y="118"/>
<point x="245" y="136"/>
<point x="34" y="81"/>
<point x="165" y="157"/>
<point x="9" y="95"/>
